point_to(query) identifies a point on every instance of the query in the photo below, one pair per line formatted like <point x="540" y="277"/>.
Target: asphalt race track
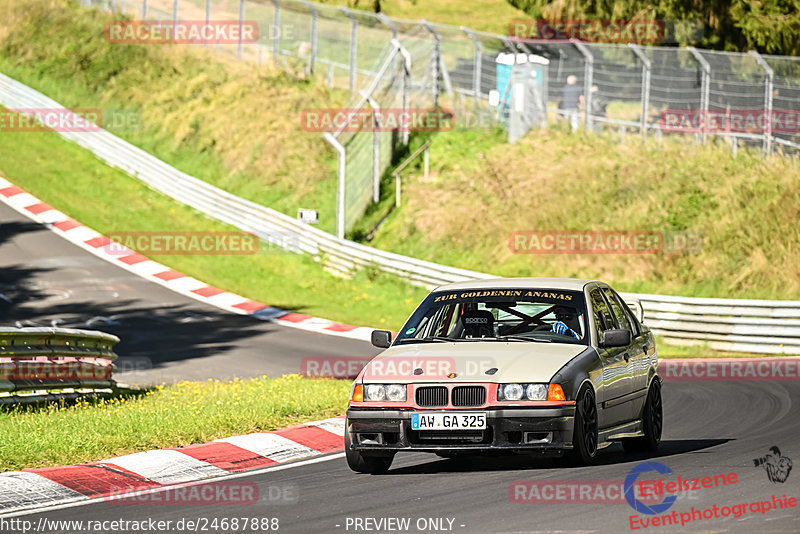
<point x="711" y="428"/>
<point x="47" y="281"/>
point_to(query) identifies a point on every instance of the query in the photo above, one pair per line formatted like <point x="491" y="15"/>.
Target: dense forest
<point x="769" y="26"/>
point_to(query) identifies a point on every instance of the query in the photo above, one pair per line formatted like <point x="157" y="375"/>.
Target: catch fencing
<point x="387" y="62"/>
<point x="46" y="361"/>
<point x="728" y="324"/>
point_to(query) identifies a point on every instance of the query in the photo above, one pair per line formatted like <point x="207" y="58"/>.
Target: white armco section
<point x="697" y="320"/>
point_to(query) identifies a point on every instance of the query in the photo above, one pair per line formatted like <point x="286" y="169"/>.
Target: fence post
<point x="353" y="46"/>
<point x="144" y="9"/>
<point x="476" y="79"/>
<point x="276" y="29"/>
<point x="646" y="69"/>
<point x="241" y="26"/>
<point x="406" y="81"/>
<point x="768" y="82"/>
<point x="704" y="87"/>
<point x="388" y="22"/>
<point x="314" y="15"/>
<point x="588" y="73"/>
<point x="435" y="61"/>
<point x="376" y="148"/>
<point x="341" y="182"/>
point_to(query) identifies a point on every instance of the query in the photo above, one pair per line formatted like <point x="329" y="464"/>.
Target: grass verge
<point x="481" y="190"/>
<point x="232" y="124"/>
<point x="65" y="176"/>
<point x="166" y="416"/>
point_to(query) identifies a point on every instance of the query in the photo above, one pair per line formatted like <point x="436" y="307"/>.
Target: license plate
<point x="448" y="421"/>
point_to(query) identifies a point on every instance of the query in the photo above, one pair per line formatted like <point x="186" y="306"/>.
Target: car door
<point x="641" y="356"/>
<point x="615" y="408"/>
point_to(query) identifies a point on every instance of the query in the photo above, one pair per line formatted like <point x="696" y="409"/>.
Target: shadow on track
<point x="151" y="332"/>
<point x="610" y="456"/>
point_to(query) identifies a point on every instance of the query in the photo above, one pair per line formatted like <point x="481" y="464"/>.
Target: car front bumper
<point x="532" y="430"/>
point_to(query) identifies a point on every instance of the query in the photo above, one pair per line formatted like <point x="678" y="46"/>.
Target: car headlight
<point x="395" y="392"/>
<point x="512" y="392"/>
<point x="536" y="392"/>
<point x="385" y="392"/>
<point x="517" y="392"/>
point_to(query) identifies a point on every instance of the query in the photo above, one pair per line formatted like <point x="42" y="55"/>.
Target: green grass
<point x="491" y="16"/>
<point x="481" y="190"/>
<point x="233" y="124"/>
<point x="67" y="177"/>
<point x="166" y="416"/>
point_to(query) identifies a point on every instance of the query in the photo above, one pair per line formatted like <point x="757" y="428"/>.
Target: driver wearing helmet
<point x="566" y="322"/>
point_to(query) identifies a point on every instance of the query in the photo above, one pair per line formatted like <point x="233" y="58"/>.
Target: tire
<point x="365" y="463"/>
<point x="652" y="423"/>
<point x="584" y="436"/>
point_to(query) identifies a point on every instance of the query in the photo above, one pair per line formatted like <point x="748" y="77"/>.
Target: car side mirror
<point x="616" y="338"/>
<point x="381" y="338"/>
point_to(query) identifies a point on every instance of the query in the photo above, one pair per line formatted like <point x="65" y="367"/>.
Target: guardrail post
<point x="476" y="79"/>
<point x="314" y="17"/>
<point x="276" y="32"/>
<point x="704" y="87"/>
<point x="768" y="83"/>
<point x="353" y="46"/>
<point x="588" y="73"/>
<point x="435" y="61"/>
<point x="646" y="70"/>
<point x="341" y="182"/>
<point x="376" y="148"/>
<point x="241" y="26"/>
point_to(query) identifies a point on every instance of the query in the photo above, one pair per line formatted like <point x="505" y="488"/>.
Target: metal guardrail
<point x="47" y="359"/>
<point x="727" y="324"/>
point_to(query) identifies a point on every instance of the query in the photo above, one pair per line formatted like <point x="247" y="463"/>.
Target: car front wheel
<point x="652" y="423"/>
<point x="584" y="436"/>
<point x="365" y="463"/>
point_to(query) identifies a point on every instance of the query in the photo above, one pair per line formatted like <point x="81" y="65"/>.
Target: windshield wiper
<point x="524" y="338"/>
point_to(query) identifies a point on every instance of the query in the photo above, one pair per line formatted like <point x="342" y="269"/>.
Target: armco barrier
<point x="728" y="324"/>
<point x="46" y="359"/>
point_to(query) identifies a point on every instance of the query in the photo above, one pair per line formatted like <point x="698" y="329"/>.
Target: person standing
<point x="572" y="100"/>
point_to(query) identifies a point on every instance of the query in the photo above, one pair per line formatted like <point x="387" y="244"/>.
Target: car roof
<point x="573" y="284"/>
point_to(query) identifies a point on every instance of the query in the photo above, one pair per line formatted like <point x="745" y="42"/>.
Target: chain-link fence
<point x="742" y="99"/>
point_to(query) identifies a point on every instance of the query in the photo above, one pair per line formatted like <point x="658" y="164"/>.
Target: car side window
<point x="634" y="322"/>
<point x="602" y="318"/>
<point x="616" y="307"/>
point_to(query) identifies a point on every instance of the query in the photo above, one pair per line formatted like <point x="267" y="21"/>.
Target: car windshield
<point x="533" y="315"/>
